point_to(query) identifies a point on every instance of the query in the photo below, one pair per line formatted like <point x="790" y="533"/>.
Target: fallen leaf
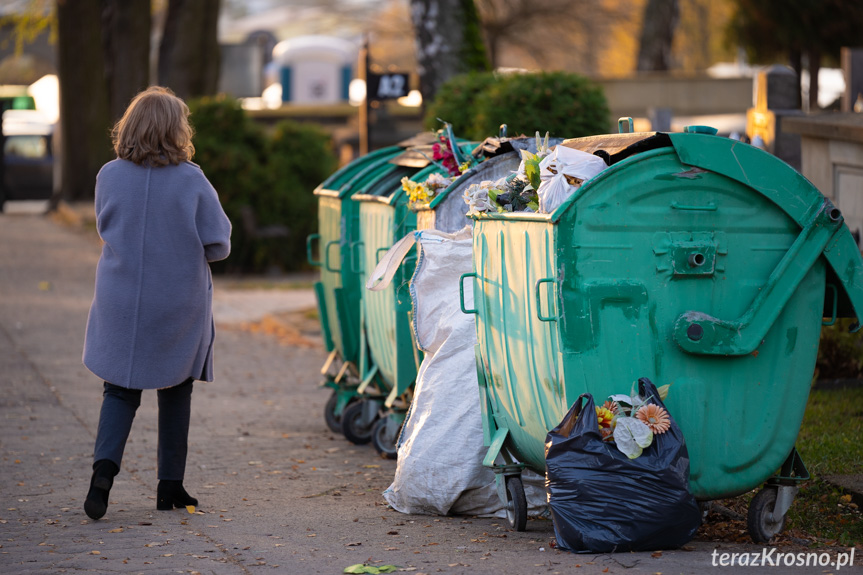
<point x="190" y="508"/>
<point x="656" y="554"/>
<point x="353" y="544"/>
<point x="117" y="530"/>
<point x="95" y="552"/>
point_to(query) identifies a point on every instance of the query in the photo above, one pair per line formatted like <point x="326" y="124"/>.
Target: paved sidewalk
<point x="279" y="493"/>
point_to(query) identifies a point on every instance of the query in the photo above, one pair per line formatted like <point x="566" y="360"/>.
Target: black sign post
<point x="389" y="86"/>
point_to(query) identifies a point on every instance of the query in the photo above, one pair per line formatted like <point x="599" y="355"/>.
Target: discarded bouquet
<point x="422" y="193"/>
<point x="514" y="193"/>
<point x="630" y="422"/>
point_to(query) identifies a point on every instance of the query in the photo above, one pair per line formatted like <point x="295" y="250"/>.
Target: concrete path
<point x="278" y="492"/>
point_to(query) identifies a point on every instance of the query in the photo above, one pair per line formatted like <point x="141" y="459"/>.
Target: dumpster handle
<point x="835" y="305"/>
<point x="327" y="256"/>
<point x="461" y="292"/>
<point x="710" y="207"/>
<point x="699" y="333"/>
<point x="309" y="241"/>
<point x="541" y="317"/>
<point x="354" y="268"/>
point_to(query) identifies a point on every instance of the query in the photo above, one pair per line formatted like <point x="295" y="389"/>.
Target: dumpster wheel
<point x="385" y="446"/>
<point x="516" y="503"/>
<point x="354" y="428"/>
<point x="762" y="525"/>
<point x="334" y="422"/>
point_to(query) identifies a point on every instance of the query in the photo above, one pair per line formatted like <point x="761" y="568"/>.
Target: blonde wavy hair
<point x="155" y="129"/>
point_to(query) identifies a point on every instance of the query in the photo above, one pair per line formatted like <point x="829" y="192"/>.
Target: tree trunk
<point x="795" y="58"/>
<point x="657" y="35"/>
<point x="126" y="41"/>
<point x="189" y="52"/>
<point x="84" y="106"/>
<point x="439" y="26"/>
<point x="814" y="57"/>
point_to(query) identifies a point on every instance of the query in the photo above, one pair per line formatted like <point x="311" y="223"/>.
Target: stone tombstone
<point x="852" y="69"/>
<point x="660" y="119"/>
<point x="775" y="96"/>
<point x="315" y="69"/>
<point x="833" y="160"/>
<point x="242" y="70"/>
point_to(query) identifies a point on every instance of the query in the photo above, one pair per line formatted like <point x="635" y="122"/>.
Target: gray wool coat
<point x="151" y="320"/>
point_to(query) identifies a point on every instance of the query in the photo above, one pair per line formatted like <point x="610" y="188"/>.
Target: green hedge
<point x="454" y="103"/>
<point x="274" y="173"/>
<point x="563" y="104"/>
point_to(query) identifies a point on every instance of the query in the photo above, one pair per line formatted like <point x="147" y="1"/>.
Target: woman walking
<point x="151" y="320"/>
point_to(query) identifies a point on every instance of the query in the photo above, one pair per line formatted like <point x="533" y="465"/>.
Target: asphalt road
<point x="279" y="493"/>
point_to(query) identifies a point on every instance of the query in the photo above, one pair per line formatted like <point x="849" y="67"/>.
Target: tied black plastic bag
<point x="602" y="501"/>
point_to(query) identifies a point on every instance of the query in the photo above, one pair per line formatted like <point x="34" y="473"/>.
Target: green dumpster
<point x="338" y="292"/>
<point x="394" y="358"/>
<point x="693" y="260"/>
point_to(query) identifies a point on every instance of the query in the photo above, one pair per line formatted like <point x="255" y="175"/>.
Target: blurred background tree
<point x="189" y="49"/>
<point x="103" y="49"/>
<point x="554" y="35"/>
<point x="803" y="33"/>
<point x="448" y="42"/>
<point x="657" y="35"/>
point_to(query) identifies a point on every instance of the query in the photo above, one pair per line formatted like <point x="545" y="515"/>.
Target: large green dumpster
<point x="339" y="290"/>
<point x="693" y="260"/>
<point x="394" y="358"/>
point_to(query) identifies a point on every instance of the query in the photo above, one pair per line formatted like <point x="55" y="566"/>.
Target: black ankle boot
<point x="101" y="482"/>
<point x="170" y="494"/>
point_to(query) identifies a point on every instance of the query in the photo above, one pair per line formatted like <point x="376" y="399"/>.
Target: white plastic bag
<point x="440" y="451"/>
<point x="562" y="172"/>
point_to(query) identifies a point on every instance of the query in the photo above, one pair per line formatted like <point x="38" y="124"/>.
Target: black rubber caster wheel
<point x="334" y="422"/>
<point x="385" y="446"/>
<point x="759" y="520"/>
<point x="516" y="504"/>
<point x="354" y="428"/>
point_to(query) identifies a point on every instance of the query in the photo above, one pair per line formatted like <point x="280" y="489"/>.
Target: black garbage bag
<point x="602" y="501"/>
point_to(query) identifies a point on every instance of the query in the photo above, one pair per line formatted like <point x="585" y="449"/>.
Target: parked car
<point x="28" y="159"/>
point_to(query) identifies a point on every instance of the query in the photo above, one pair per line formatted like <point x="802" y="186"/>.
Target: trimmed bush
<point x="272" y="175"/>
<point x="563" y="104"/>
<point x="455" y="103"/>
<point x="840" y="353"/>
<point x="300" y="158"/>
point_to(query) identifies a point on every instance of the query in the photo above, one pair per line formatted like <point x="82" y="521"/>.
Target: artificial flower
<point x="604" y="417"/>
<point x="655" y="417"/>
<point x="611" y="406"/>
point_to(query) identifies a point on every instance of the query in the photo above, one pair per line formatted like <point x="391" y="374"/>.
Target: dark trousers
<point x="119" y="406"/>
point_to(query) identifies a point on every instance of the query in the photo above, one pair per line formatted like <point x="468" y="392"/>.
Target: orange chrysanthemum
<point x="604" y="417"/>
<point x="655" y="417"/>
<point x="611" y="406"/>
